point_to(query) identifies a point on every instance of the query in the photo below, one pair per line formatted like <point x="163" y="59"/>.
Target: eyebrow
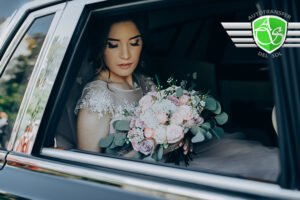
<point x="113" y="39"/>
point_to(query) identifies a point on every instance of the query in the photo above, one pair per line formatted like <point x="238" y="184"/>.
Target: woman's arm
<point x="90" y="129"/>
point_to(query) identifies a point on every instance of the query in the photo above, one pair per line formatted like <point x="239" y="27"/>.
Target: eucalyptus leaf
<point x="149" y="159"/>
<point x="197" y="99"/>
<point x="160" y="152"/>
<point x="206" y="125"/>
<point x="119" y="139"/>
<point x="113" y="145"/>
<point x="195" y="129"/>
<point x="198" y="138"/>
<point x="221" y="118"/>
<point x="110" y="151"/>
<point x="208" y="135"/>
<point x="196" y="93"/>
<point x="179" y="92"/>
<point x="219" y="131"/>
<point x="218" y="110"/>
<point x="106" y="141"/>
<point x="213" y="132"/>
<point x="210" y="103"/>
<point x="121" y="125"/>
<point x="138" y="155"/>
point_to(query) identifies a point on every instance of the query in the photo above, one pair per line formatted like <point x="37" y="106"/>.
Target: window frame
<point x="57" y="11"/>
<point x="17" y="19"/>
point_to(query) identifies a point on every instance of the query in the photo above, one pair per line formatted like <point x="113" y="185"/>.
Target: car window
<point x="190" y="54"/>
<point x="7" y="10"/>
<point x="17" y="73"/>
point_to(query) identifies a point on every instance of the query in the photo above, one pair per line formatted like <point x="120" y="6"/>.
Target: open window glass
<point x="210" y="103"/>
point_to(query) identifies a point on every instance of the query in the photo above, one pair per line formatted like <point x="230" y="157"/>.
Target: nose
<point x="125" y="52"/>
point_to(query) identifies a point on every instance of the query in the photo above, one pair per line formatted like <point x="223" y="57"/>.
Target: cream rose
<point x="162" y="117"/>
<point x="174" y="133"/>
<point x="160" y="134"/>
<point x="185" y="112"/>
<point x="146" y="101"/>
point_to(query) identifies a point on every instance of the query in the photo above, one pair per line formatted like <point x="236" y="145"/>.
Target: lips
<point x="124" y="65"/>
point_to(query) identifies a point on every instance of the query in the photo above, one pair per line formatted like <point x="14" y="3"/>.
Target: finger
<point x="185" y="147"/>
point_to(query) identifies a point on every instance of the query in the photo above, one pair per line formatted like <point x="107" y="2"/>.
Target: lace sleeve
<point x="96" y="98"/>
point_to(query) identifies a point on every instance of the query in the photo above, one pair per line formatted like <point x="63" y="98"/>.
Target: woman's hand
<point x="186" y="144"/>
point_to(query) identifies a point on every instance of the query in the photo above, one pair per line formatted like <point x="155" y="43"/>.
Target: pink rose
<point x="146" y="101"/>
<point x="148" y="132"/>
<point x="135" y="144"/>
<point x="176" y="119"/>
<point x="173" y="100"/>
<point x="139" y="123"/>
<point x="174" y="133"/>
<point x="162" y="117"/>
<point x="147" y="146"/>
<point x="184" y="99"/>
<point x="185" y="92"/>
<point x="185" y="112"/>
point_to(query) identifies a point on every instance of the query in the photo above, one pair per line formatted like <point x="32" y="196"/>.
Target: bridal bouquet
<point x="166" y="117"/>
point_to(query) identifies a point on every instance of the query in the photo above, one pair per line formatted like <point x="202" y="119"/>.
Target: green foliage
<point x="218" y="110"/>
<point x="198" y="138"/>
<point x="106" y="141"/>
<point x="208" y="135"/>
<point x="210" y="103"/>
<point x="206" y="125"/>
<point x="121" y="125"/>
<point x="149" y="159"/>
<point x="221" y="118"/>
<point x="138" y="155"/>
<point x="195" y="129"/>
<point x="179" y="92"/>
<point x="119" y="139"/>
<point x="160" y="152"/>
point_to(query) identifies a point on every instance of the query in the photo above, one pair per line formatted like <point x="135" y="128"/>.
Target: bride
<point x="117" y="86"/>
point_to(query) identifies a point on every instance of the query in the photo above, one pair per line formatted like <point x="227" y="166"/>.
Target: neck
<point x="112" y="77"/>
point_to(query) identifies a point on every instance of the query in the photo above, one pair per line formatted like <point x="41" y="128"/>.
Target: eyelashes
<point x="112" y="45"/>
<point x="136" y="43"/>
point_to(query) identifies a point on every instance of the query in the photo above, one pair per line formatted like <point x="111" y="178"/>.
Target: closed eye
<point x="111" y="45"/>
<point x="136" y="43"/>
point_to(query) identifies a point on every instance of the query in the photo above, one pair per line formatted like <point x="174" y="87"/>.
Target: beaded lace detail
<point x="97" y="97"/>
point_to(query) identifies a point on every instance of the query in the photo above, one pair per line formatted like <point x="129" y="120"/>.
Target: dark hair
<point x="100" y="36"/>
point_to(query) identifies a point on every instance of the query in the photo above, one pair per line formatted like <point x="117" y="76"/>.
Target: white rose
<point x="160" y="134"/>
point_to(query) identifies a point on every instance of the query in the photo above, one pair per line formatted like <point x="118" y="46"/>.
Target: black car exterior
<point x="34" y="171"/>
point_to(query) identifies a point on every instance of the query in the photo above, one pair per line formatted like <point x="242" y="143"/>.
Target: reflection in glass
<point x="14" y="80"/>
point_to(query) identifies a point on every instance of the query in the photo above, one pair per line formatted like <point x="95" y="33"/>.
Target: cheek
<point x="109" y="57"/>
<point x="137" y="52"/>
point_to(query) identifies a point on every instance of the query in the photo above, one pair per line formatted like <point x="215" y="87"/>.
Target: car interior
<point x="184" y="40"/>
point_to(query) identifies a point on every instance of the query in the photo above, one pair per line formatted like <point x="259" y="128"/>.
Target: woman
<point x="116" y="87"/>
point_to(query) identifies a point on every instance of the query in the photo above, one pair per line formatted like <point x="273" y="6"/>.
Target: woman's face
<point x="123" y="48"/>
